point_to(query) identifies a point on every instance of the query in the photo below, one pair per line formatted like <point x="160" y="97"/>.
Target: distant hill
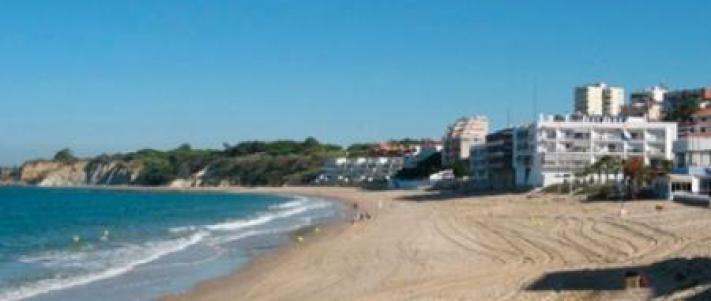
<point x="248" y="163"/>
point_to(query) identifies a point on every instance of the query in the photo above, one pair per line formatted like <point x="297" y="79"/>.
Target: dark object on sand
<point x="659" y="207"/>
<point x="634" y="279"/>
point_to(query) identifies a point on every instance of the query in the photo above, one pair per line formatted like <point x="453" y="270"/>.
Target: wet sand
<point x="422" y="246"/>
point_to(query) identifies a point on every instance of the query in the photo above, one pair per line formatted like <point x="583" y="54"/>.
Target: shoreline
<point x="257" y="266"/>
<point x="426" y="246"/>
<point x="308" y="231"/>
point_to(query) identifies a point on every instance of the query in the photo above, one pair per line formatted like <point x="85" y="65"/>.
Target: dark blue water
<point x="84" y="244"/>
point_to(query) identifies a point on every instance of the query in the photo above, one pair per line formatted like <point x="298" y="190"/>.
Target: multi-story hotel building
<point x="599" y="99"/>
<point x="461" y="136"/>
<point x="555" y="148"/>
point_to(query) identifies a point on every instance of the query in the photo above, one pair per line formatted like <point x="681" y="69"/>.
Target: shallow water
<point x="84" y="244"/>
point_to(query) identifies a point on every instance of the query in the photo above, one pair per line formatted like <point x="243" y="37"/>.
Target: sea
<point x="99" y="244"/>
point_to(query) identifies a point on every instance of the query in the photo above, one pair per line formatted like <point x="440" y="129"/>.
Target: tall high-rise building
<point x="461" y="136"/>
<point x="599" y="99"/>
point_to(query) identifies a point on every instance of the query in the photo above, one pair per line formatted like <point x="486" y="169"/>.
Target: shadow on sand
<point x="663" y="278"/>
<point x="447" y="195"/>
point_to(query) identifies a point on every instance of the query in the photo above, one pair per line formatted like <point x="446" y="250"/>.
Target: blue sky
<point x="110" y="76"/>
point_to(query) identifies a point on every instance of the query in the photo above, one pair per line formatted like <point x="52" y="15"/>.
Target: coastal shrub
<point x="156" y="171"/>
<point x="248" y="163"/>
<point x="65" y="156"/>
<point x="460" y="168"/>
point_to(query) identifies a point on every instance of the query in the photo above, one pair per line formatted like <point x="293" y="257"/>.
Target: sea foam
<point x="125" y="260"/>
<point x="94" y="264"/>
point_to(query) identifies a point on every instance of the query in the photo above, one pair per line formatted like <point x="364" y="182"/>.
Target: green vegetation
<point x="460" y="168"/>
<point x="359" y="149"/>
<point x="409" y="141"/>
<point x="65" y="156"/>
<point x="247" y="163"/>
<point x="607" y="166"/>
<point x="424" y="168"/>
<point x="683" y="110"/>
<point x="600" y="180"/>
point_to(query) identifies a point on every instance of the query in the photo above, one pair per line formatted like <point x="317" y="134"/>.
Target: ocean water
<point x="87" y="244"/>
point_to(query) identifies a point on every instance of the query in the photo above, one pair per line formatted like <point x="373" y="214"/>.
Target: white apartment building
<point x="362" y="169"/>
<point x="599" y="99"/>
<point x="461" y="136"/>
<point x="555" y="148"/>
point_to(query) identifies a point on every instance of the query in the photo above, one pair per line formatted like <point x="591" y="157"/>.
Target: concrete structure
<point x="599" y="99"/>
<point x="461" y="136"/>
<point x="358" y="170"/>
<point x="555" y="148"/>
<point x="691" y="178"/>
<point x="479" y="166"/>
<point x="491" y="164"/>
<point x="647" y="103"/>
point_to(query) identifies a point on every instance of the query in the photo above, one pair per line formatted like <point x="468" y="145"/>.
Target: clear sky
<point x="108" y="76"/>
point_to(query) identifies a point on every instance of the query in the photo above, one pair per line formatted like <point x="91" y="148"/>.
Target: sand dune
<point x="506" y="247"/>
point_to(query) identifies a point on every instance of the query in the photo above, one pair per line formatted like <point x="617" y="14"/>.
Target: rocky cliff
<point x="51" y="173"/>
<point x="81" y="172"/>
<point x="113" y="172"/>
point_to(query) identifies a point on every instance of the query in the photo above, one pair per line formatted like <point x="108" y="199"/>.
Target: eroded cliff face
<point x="52" y="173"/>
<point x="113" y="173"/>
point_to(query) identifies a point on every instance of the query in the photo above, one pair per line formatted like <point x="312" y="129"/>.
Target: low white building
<point x="361" y="169"/>
<point x="557" y="147"/>
<point x="692" y="173"/>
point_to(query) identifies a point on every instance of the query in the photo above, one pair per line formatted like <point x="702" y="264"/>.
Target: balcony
<point x="609" y="137"/>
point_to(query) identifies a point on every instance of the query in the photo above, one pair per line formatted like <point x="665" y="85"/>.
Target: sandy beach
<point x="424" y="246"/>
